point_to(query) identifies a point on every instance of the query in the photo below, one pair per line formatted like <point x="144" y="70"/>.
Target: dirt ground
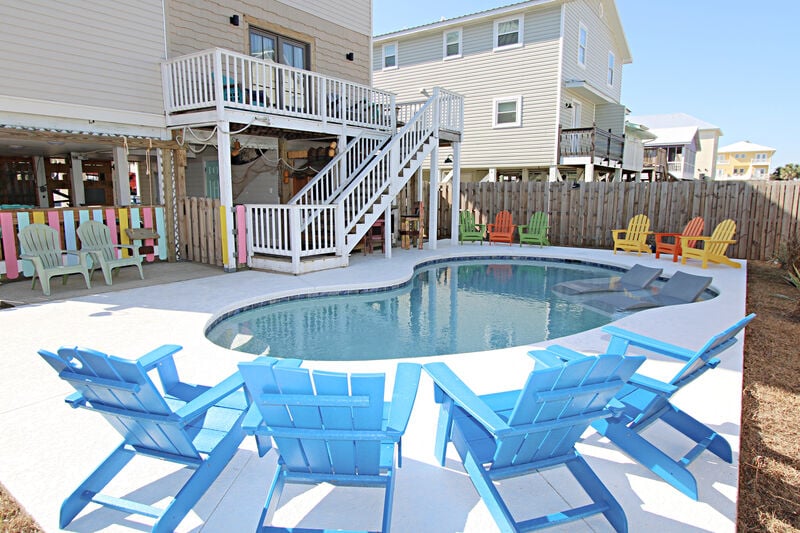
<point x="769" y="461"/>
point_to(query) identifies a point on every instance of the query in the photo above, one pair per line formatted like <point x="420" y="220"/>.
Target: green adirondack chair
<point x="536" y="230"/>
<point x="96" y="240"/>
<point x="468" y="230"/>
<point x="41" y="246"/>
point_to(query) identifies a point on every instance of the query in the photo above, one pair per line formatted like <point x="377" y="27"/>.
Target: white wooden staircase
<point x="323" y="223"/>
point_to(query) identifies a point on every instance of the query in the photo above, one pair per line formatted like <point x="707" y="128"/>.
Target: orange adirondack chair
<point x="633" y="239"/>
<point x="714" y="247"/>
<point x="502" y="230"/>
<point x="672" y="244"/>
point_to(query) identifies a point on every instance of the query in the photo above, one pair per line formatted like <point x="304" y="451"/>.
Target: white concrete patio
<point x="46" y="448"/>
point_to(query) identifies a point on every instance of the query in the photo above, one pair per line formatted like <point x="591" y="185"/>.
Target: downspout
<point x="560" y="83"/>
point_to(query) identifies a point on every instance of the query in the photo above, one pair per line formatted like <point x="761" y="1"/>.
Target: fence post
<point x="294" y="236"/>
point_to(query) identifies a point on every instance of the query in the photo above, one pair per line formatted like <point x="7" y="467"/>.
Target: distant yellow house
<point x="744" y="160"/>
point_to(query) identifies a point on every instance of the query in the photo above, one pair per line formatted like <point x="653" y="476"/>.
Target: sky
<point x="731" y="63"/>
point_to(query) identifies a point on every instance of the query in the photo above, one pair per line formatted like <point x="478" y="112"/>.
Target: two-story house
<point x="541" y="84"/>
<point x="687" y="144"/>
<point x="172" y="98"/>
<point x="744" y="160"/>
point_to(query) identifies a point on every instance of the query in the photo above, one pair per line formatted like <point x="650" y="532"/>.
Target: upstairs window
<point x="761" y="157"/>
<point x="452" y="44"/>
<point x="722" y="158"/>
<point x="739" y="156"/>
<point x="508" y="33"/>
<point x="507" y="112"/>
<point x="277" y="48"/>
<point x="389" y="56"/>
<point x="583" y="37"/>
<point x="610" y="76"/>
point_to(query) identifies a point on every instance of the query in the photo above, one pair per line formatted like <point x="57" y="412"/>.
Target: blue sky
<point x="734" y="64"/>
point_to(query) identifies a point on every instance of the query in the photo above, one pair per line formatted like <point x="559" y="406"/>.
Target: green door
<point x="212" y="179"/>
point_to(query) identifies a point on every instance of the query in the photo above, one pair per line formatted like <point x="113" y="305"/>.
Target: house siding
<point x="112" y="50"/>
<point x="202" y="24"/>
<point x="599" y="44"/>
<point x="610" y="117"/>
<point x="482" y="75"/>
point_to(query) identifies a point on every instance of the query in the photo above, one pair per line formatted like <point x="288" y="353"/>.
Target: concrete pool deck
<point x="47" y="448"/>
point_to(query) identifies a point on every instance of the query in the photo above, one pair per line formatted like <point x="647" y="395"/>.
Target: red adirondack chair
<point x="502" y="230"/>
<point x="672" y="244"/>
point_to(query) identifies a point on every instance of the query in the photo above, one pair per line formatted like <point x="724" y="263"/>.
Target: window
<point x="583" y="37"/>
<point x="738" y="171"/>
<point x="739" y="156"/>
<point x="761" y="157"/>
<point x="452" y="44"/>
<point x="507" y="112"/>
<point x="610" y="77"/>
<point x="274" y="47"/>
<point x="722" y="158"/>
<point x="508" y="33"/>
<point x="389" y="56"/>
<point x="761" y="172"/>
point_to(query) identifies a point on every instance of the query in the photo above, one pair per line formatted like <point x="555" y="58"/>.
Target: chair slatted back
<point x="694" y="228"/>
<point x="705" y="356"/>
<point x="557" y="404"/>
<point x="723" y="232"/>
<point x="43" y="241"/>
<point x="638" y="228"/>
<point x="503" y="223"/>
<point x="538" y="223"/>
<point x="124" y="394"/>
<point x="466" y="221"/>
<point x="322" y="423"/>
<point x="96" y="236"/>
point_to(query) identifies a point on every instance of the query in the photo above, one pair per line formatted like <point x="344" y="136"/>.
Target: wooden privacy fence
<point x="583" y="214"/>
<point x="66" y="222"/>
<point x="203" y="233"/>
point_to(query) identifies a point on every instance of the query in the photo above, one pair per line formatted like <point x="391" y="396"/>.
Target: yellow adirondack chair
<point x="633" y="239"/>
<point x="713" y="248"/>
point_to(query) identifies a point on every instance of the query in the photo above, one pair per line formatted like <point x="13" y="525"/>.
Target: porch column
<point x="455" y="208"/>
<point x="121" y="182"/>
<point x="78" y="196"/>
<point x="387" y="232"/>
<point x="553" y="174"/>
<point x="41" y="181"/>
<point x="588" y="173"/>
<point x="617" y="175"/>
<point x="226" y="195"/>
<point x="433" y="199"/>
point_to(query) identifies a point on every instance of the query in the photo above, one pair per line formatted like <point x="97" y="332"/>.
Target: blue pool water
<point x="454" y="307"/>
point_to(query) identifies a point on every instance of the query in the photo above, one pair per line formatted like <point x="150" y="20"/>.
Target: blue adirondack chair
<point x="514" y="433"/>
<point x="647" y="400"/>
<point x="329" y="427"/>
<point x="192" y="425"/>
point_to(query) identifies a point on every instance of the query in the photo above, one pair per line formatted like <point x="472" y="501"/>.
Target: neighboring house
<point x="201" y="98"/>
<point x="636" y="135"/>
<point x="744" y="160"/>
<point x="541" y="82"/>
<point x="689" y="144"/>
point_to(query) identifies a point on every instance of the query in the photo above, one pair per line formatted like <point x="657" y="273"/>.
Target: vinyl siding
<point x="600" y="43"/>
<point x="482" y="75"/>
<point x="610" y="117"/>
<point x="202" y="24"/>
<point x="94" y="52"/>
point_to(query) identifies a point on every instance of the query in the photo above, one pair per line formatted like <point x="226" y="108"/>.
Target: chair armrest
<point x="161" y="359"/>
<point x="651" y="384"/>
<point x="404" y="393"/>
<point x="620" y="339"/>
<point x="252" y="421"/>
<point x="202" y="403"/>
<point x="565" y="354"/>
<point x="660" y="236"/>
<point x="615" y="233"/>
<point x="453" y="387"/>
<point x="707" y="239"/>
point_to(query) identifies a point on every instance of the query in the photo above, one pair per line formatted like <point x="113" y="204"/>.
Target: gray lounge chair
<point x="681" y="288"/>
<point x="636" y="278"/>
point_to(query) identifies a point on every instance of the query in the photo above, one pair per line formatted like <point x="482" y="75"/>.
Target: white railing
<point x="291" y="230"/>
<point x="451" y="110"/>
<point x="376" y="177"/>
<point x="222" y="79"/>
<point x="329" y="181"/>
<point x="681" y="168"/>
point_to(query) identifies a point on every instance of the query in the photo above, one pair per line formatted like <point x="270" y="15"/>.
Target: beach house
<point x="744" y="160"/>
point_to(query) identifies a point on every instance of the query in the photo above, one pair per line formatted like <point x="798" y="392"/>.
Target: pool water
<point x="454" y="307"/>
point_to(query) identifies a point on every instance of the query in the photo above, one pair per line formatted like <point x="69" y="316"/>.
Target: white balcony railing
<point x="220" y="79"/>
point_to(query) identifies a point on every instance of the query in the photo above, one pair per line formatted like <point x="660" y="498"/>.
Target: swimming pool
<point x="448" y="307"/>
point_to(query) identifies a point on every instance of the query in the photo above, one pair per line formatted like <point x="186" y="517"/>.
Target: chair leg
<point x="275" y="491"/>
<point x="648" y="455"/>
<point x="387" y="502"/>
<point x="699" y="432"/>
<point x="93" y="484"/>
<point x="489" y="493"/>
<point x="199" y="482"/>
<point x="598" y="492"/>
<point x="443" y="428"/>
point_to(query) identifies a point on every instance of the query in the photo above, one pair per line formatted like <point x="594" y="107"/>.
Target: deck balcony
<point x="219" y="85"/>
<point x="580" y="146"/>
